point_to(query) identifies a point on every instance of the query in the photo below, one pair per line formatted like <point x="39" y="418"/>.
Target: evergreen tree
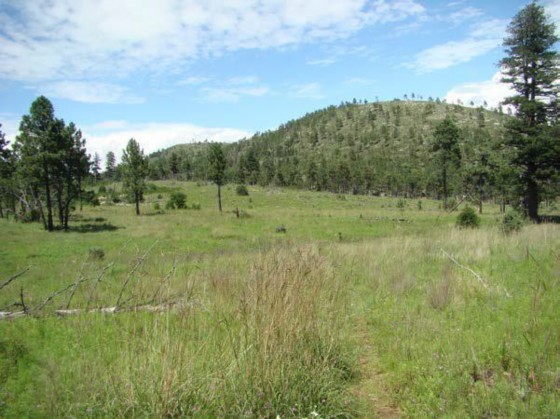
<point x="446" y="148"/>
<point x="37" y="149"/>
<point x="52" y="162"/>
<point x="134" y="171"/>
<point x="7" y="169"/>
<point x="217" y="168"/>
<point x="96" y="166"/>
<point x="110" y="165"/>
<point x="531" y="68"/>
<point x="174" y="164"/>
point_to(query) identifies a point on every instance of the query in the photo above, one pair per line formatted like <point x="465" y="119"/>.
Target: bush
<point x="512" y="222"/>
<point x="401" y="204"/>
<point x="241" y="190"/>
<point x="96" y="253"/>
<point x="281" y="229"/>
<point x="102" y="189"/>
<point x="90" y="198"/>
<point x="177" y="200"/>
<point x="113" y="196"/>
<point x="468" y="218"/>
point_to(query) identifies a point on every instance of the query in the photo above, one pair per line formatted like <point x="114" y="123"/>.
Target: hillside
<point x="374" y="148"/>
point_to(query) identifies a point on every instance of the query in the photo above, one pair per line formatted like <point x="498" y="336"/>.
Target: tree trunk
<point x="220" y="198"/>
<point x="59" y="198"/>
<point x="68" y="202"/>
<point x="137" y="199"/>
<point x="532" y="200"/>
<point x="50" y="225"/>
<point x="444" y="181"/>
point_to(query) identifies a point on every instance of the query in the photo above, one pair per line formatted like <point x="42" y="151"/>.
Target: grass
<point x="357" y="310"/>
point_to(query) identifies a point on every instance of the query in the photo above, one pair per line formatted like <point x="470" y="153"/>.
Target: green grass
<point x="273" y="324"/>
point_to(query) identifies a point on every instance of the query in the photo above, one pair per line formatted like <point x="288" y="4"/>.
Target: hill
<point x="363" y="148"/>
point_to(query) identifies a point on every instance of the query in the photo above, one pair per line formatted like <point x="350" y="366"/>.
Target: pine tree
<point x="7" y="169"/>
<point x="446" y="148"/>
<point x="110" y="165"/>
<point x="217" y="168"/>
<point x="96" y="166"/>
<point x="531" y="68"/>
<point x="37" y="149"/>
<point x="135" y="170"/>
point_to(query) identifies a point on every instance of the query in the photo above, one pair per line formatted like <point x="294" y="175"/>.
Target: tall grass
<point x="451" y="344"/>
<point x="271" y="340"/>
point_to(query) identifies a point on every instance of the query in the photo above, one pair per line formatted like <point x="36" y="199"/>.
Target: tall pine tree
<point x="531" y="68"/>
<point x="217" y="168"/>
<point x="134" y="171"/>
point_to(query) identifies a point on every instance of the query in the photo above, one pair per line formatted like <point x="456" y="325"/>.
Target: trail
<point x="371" y="391"/>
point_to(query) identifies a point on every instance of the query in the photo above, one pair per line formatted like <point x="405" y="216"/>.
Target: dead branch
<point x="7" y="315"/>
<point x="57" y="293"/>
<point x="477" y="276"/>
<point x="13" y="277"/>
<point x="22" y="301"/>
<point x="97" y="281"/>
<point x="113" y="310"/>
<point x="165" y="279"/>
<point x="80" y="276"/>
<point x="139" y="262"/>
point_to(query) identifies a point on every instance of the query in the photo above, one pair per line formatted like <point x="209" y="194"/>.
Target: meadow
<point x="359" y="307"/>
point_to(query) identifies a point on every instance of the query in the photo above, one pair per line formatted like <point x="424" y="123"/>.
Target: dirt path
<point x="371" y="390"/>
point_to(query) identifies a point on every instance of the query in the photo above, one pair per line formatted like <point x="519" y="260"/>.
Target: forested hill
<point x="376" y="148"/>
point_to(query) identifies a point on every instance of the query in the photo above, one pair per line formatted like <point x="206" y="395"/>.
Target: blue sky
<point x="173" y="71"/>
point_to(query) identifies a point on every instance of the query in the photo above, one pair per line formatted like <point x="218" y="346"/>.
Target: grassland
<point x="364" y="307"/>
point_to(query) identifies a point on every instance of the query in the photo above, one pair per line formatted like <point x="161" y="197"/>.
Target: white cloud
<point x="322" y="62"/>
<point x="483" y="38"/>
<point x="232" y="94"/>
<point x="552" y="8"/>
<point x="10" y="125"/>
<point x="359" y="81"/>
<point x="89" y="92"/>
<point x="492" y="91"/>
<point x="46" y="40"/>
<point x="193" y="81"/>
<point x="102" y="138"/>
<point x="307" y="91"/>
<point x="464" y="14"/>
<point x="233" y="89"/>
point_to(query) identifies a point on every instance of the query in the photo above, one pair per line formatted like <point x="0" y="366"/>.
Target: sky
<point x="174" y="71"/>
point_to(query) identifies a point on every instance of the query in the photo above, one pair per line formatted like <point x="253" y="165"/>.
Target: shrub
<point x="401" y="204"/>
<point x="241" y="190"/>
<point x="419" y="205"/>
<point x="512" y="222"/>
<point x="195" y="206"/>
<point x="90" y="198"/>
<point x="30" y="216"/>
<point x="96" y="253"/>
<point x="102" y="189"/>
<point x="157" y="207"/>
<point x="113" y="196"/>
<point x="177" y="200"/>
<point x="468" y="218"/>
